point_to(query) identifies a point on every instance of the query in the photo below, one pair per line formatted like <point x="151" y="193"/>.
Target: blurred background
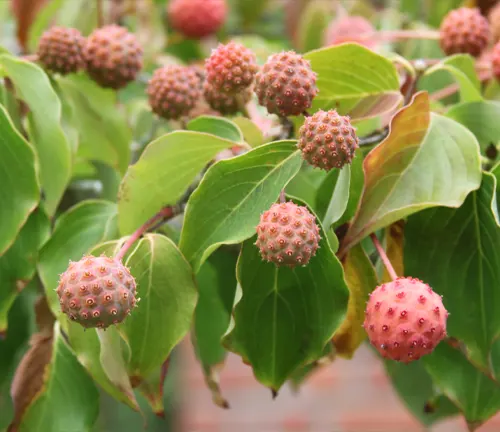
<point x="344" y="396"/>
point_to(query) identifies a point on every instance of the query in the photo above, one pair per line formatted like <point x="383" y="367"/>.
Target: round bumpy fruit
<point x="405" y="319"/>
<point x="327" y="140"/>
<point x="173" y="91"/>
<point x="97" y="291"/>
<point x="287" y="235"/>
<point x="351" y="29"/>
<point x="231" y="68"/>
<point x="286" y="84"/>
<point x="223" y="102"/>
<point x="113" y="56"/>
<point x="60" y="50"/>
<point x="466" y="31"/>
<point x="197" y="18"/>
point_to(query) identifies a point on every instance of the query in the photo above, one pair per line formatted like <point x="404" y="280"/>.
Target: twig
<point x="100" y="14"/>
<point x="282" y="196"/>
<point x="383" y="257"/>
<point x="286" y="129"/>
<point x="374" y="138"/>
<point x="452" y="89"/>
<point x="164" y="213"/>
<point x="393" y="35"/>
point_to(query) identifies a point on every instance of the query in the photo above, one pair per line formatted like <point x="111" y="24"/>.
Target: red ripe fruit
<point x="113" y="56"/>
<point x="173" y="91"/>
<point x="197" y="19"/>
<point x="327" y="140"/>
<point x="60" y="50"/>
<point x="286" y="84"/>
<point x="351" y="29"/>
<point x="231" y="68"/>
<point x="465" y="31"/>
<point x="97" y="292"/>
<point x="223" y="102"/>
<point x="287" y="235"/>
<point x="405" y="319"/>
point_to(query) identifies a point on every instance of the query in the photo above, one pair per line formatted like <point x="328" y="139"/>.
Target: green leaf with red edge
<point x="475" y="394"/>
<point x="456" y="252"/>
<point x="354" y="80"/>
<point x="164" y="171"/>
<point x="286" y="317"/>
<point x="54" y="151"/>
<point x="20" y="191"/>
<point x="427" y="160"/>
<point x="361" y="280"/>
<point x="18" y="263"/>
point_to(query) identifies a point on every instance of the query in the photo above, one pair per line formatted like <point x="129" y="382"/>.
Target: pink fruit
<point x="97" y="292"/>
<point x="327" y="140"/>
<point x="351" y="29"/>
<point x="405" y="319"/>
<point x="197" y="18"/>
<point x="287" y="235"/>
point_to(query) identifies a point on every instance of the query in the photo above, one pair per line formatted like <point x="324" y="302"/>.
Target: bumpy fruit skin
<point x="173" y="91"/>
<point x="113" y="57"/>
<point x="197" y="19"/>
<point x="405" y="319"/>
<point x="223" y="102"/>
<point x="287" y="235"/>
<point x="351" y="29"/>
<point x="494" y="19"/>
<point x="97" y="292"/>
<point x="327" y="140"/>
<point x="60" y="50"/>
<point x="286" y="84"/>
<point x="231" y="68"/>
<point x="466" y="31"/>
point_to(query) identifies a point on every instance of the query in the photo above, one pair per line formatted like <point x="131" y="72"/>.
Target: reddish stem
<point x="392" y="35"/>
<point x="164" y="213"/>
<point x="452" y="89"/>
<point x="100" y="14"/>
<point x="282" y="196"/>
<point x="383" y="257"/>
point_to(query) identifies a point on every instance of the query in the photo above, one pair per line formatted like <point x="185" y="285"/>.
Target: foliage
<point x="91" y="170"/>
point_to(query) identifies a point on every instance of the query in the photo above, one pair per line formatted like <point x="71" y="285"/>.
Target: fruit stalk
<point x="163" y="214"/>
<point x="383" y="257"/>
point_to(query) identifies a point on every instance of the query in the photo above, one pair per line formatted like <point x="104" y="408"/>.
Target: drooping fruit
<point x="60" y="50"/>
<point x="405" y="319"/>
<point x="351" y="29"/>
<point x="113" y="56"/>
<point x="231" y="68"/>
<point x="173" y="91"/>
<point x="97" y="291"/>
<point x="286" y="84"/>
<point x="223" y="102"/>
<point x="327" y="140"/>
<point x="287" y="235"/>
<point x="494" y="19"/>
<point x="197" y="18"/>
<point x="464" y="30"/>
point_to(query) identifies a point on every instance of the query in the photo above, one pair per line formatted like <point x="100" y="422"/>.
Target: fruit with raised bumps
<point x="197" y="18"/>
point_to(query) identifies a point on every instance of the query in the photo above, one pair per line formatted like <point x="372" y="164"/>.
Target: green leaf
<point x="76" y="232"/>
<point x="361" y="280"/>
<point x="251" y="133"/>
<point x="456" y="252"/>
<point x="166" y="287"/>
<point x="477" y="396"/>
<point x="88" y="350"/>
<point x="218" y="126"/>
<point x="417" y="391"/>
<point x="73" y="408"/>
<point x="427" y="160"/>
<point x="312" y="26"/>
<point x="306" y="183"/>
<point x="226" y="206"/>
<point x="103" y="131"/>
<point x="481" y="118"/>
<point x="54" y="151"/>
<point x="340" y="197"/>
<point x="286" y="317"/>
<point x="164" y="171"/>
<point x="20" y="191"/>
<point x="18" y="263"/>
<point x="350" y="73"/>
<point x="217" y="287"/>
<point x="462" y="67"/>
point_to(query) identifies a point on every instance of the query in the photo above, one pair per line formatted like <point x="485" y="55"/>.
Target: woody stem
<point x="383" y="256"/>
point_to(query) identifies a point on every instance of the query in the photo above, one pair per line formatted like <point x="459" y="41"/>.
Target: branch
<point x="383" y="256"/>
<point x="374" y="138"/>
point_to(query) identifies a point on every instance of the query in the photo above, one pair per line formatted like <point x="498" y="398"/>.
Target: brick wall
<point x="346" y="396"/>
